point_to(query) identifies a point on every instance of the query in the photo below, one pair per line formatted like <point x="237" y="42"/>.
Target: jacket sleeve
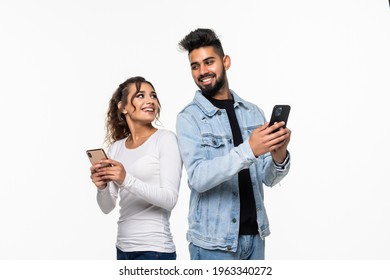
<point x="203" y="173"/>
<point x="274" y="173"/>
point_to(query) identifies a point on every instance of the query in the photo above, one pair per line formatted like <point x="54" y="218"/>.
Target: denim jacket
<point x="212" y="164"/>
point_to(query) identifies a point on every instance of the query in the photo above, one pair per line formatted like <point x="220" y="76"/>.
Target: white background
<point x="60" y="62"/>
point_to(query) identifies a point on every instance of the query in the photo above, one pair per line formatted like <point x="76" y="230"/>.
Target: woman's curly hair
<point x="116" y="125"/>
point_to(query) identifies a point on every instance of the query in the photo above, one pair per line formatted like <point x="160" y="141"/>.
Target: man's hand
<point x="272" y="139"/>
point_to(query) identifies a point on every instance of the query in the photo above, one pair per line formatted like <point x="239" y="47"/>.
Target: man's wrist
<point x="284" y="162"/>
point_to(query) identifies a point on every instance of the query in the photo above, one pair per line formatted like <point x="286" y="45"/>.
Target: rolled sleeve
<point x="284" y="164"/>
<point x="246" y="152"/>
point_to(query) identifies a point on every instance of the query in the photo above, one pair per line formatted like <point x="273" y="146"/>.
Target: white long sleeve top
<point x="148" y="193"/>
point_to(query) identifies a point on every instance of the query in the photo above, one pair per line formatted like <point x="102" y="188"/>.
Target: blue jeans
<point x="250" y="247"/>
<point x="144" y="255"/>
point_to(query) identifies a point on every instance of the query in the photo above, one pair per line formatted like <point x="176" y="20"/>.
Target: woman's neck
<point x="139" y="135"/>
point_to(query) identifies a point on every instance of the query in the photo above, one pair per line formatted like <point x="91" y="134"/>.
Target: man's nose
<point x="203" y="69"/>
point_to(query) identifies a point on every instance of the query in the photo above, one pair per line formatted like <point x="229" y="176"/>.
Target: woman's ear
<point x="120" y="108"/>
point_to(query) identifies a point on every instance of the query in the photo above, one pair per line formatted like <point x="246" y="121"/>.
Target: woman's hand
<point x="101" y="174"/>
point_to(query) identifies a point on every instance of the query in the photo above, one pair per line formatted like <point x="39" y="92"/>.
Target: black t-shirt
<point x="248" y="223"/>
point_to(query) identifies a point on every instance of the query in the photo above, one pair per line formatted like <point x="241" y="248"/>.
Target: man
<point x="229" y="152"/>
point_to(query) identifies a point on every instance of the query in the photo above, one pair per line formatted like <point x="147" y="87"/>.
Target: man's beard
<point x="212" y="90"/>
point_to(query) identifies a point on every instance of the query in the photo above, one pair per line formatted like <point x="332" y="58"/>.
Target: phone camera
<point x="278" y="111"/>
<point x="89" y="154"/>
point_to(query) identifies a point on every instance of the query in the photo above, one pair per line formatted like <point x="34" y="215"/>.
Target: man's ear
<point x="226" y="62"/>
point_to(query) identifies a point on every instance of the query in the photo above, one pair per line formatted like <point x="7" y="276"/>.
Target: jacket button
<point x="234" y="220"/>
<point x="219" y="113"/>
<point x="229" y="247"/>
<point x="214" y="142"/>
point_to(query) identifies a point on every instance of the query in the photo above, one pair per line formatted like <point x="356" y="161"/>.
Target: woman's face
<point x="144" y="106"/>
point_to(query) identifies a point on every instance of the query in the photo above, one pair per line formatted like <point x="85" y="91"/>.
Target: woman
<point x="145" y="172"/>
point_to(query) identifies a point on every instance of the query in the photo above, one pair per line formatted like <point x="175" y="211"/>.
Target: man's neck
<point x="223" y="94"/>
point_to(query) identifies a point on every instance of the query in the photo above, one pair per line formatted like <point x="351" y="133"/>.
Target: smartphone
<point x="280" y="113"/>
<point x="95" y="155"/>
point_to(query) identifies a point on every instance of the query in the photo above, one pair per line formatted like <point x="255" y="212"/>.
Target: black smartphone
<point x="96" y="155"/>
<point x="280" y="113"/>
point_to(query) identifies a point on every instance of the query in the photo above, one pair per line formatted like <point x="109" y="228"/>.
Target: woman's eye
<point x="140" y="95"/>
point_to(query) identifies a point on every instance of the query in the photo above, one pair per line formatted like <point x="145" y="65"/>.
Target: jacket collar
<point x="208" y="108"/>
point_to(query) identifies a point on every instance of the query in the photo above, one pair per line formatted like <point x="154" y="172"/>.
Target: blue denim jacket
<point x="212" y="164"/>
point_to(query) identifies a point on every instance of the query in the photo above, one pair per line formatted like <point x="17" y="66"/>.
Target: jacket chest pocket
<point x="213" y="145"/>
<point x="212" y="141"/>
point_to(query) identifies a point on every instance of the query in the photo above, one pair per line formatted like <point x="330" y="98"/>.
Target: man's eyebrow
<point x="207" y="58"/>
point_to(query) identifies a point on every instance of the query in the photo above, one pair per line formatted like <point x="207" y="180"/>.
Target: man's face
<point x="208" y="70"/>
